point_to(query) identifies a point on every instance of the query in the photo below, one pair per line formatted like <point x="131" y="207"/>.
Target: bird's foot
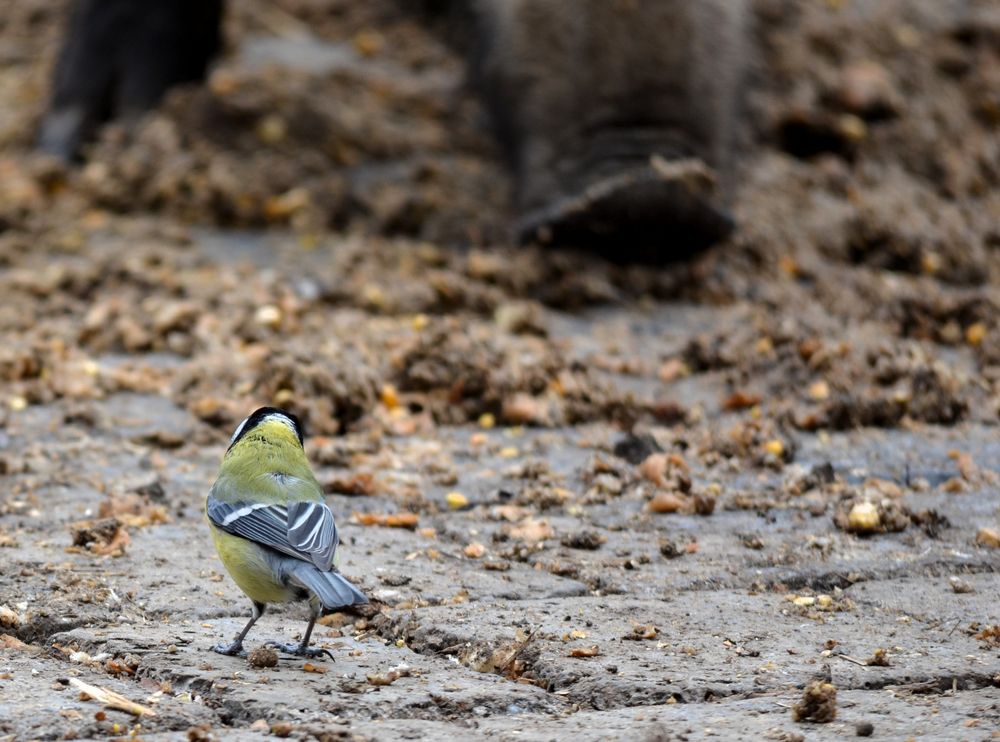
<point x="300" y="650"/>
<point x="233" y="649"/>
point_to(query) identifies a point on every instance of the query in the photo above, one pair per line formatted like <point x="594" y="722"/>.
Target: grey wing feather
<point x="312" y="530"/>
<point x="304" y="530"/>
<point x="260" y="522"/>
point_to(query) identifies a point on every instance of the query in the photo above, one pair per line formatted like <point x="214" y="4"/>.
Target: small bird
<point x="273" y="532"/>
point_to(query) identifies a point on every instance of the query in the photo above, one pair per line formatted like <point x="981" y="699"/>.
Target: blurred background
<point x="335" y="158"/>
<point x="791" y="427"/>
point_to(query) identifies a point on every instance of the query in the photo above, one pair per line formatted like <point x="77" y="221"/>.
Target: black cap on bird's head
<point x="267" y="414"/>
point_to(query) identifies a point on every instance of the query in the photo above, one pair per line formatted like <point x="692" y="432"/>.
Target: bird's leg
<point x="302" y="648"/>
<point x="237" y="645"/>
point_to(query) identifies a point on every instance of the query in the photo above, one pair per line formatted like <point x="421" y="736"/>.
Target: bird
<point x="272" y="530"/>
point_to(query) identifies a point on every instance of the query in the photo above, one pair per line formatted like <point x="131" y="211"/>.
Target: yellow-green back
<point x="270" y="460"/>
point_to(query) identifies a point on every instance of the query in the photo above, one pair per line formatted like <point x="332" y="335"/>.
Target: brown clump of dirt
<point x="261" y="657"/>
<point x="818" y="704"/>
<point x="585" y="540"/>
<point x="96" y="534"/>
<point x="859" y="514"/>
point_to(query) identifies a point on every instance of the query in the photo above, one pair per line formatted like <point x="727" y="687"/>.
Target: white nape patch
<point x="277" y="417"/>
<point x="239" y="430"/>
<point x="243" y="511"/>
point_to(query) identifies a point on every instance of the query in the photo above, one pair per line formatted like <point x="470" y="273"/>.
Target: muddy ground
<point x="587" y="500"/>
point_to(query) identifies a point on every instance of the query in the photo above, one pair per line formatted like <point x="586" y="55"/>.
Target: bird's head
<point x="266" y="432"/>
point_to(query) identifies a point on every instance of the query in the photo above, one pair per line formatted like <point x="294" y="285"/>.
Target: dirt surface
<point x="650" y="504"/>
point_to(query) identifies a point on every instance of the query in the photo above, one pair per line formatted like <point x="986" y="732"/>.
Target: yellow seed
<point x="487" y="420"/>
<point x="456" y="500"/>
<point x="268" y="316"/>
<point x="272" y="129"/>
<point x="390" y="397"/>
<point x="508" y="452"/>
<point x="788" y="265"/>
<point x="804" y="601"/>
<point x="852" y="127"/>
<point x="819" y="391"/>
<point x="930" y="263"/>
<point x="17" y="403"/>
<point x="775" y="447"/>
<point x="420" y="321"/>
<point x="864" y="517"/>
<point x="368" y="42"/>
<point x="975" y="334"/>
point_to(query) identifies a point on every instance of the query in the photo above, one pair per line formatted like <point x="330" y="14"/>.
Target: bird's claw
<point x="233" y="649"/>
<point x="300" y="651"/>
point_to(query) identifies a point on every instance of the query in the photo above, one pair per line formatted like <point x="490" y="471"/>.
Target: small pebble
<point x="958" y="585"/>
<point x="988" y="537"/>
<point x="667" y="502"/>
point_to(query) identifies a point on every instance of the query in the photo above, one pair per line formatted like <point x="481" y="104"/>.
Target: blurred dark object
<point x="118" y="60"/>
<point x="614" y="117"/>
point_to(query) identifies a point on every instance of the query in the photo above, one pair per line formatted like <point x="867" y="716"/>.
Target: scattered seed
<point x="456" y="500"/>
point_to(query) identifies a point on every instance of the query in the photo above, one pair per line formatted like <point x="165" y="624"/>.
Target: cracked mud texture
<point x="685" y="494"/>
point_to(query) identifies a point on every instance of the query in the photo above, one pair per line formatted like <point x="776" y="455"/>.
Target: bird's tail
<point x="332" y="588"/>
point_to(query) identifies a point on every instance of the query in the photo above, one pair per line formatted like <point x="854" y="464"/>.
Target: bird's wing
<point x="303" y="529"/>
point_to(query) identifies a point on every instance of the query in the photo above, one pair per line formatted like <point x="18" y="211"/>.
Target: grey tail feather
<point x="332" y="588"/>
